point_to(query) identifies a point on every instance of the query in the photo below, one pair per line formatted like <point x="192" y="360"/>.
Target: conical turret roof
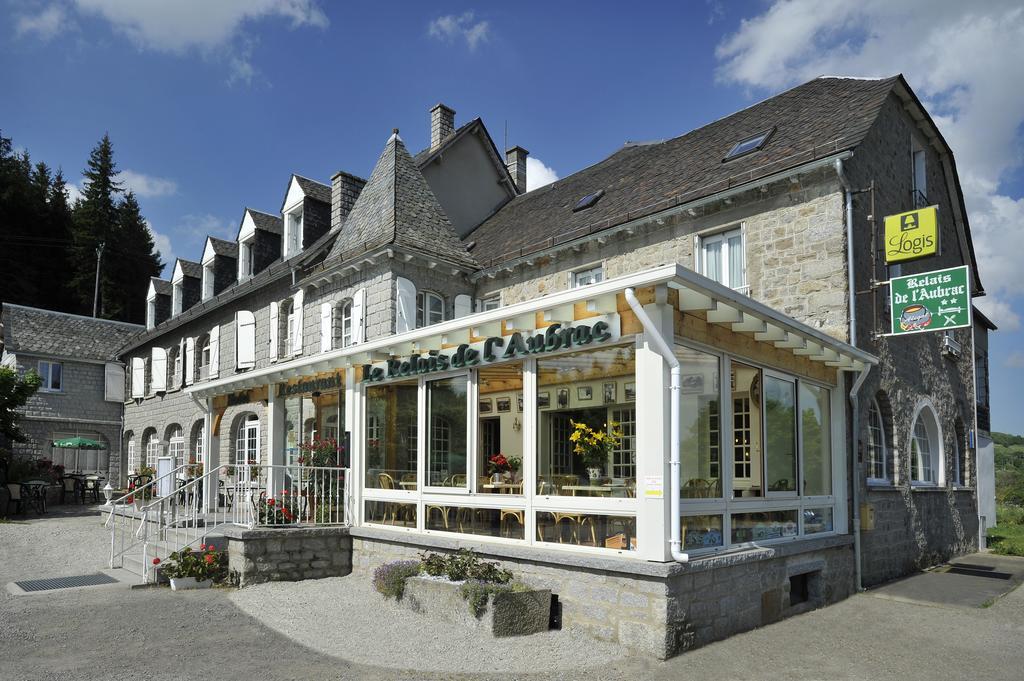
<point x="397" y="207"/>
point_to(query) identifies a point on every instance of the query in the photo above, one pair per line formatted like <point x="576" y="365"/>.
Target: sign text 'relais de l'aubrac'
<point x="498" y="348"/>
<point x="931" y="301"/>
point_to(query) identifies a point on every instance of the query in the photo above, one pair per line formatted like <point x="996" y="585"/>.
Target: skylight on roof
<point x="749" y="145"/>
<point x="588" y="200"/>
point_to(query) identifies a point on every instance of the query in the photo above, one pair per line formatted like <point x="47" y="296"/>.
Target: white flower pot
<point x="188" y="583"/>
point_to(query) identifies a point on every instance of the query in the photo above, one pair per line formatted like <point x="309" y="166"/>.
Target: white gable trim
<point x="248" y="228"/>
<point x="208" y="253"/>
<point x="294" y="196"/>
<point x="179" y="273"/>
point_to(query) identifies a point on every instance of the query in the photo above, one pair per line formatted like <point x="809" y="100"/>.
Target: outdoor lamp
<point x="108" y="492"/>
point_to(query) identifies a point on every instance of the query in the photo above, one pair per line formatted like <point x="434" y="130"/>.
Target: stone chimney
<point x="515" y="161"/>
<point x="442" y="124"/>
<point x="345" y="189"/>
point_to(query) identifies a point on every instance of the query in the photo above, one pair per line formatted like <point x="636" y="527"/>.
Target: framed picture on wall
<point x="584" y="393"/>
<point x="543" y="400"/>
<point x="692" y="383"/>
<point x="563" y="398"/>
<point x="485" y="406"/>
<point x="519" y="403"/>
<point x="504" y="404"/>
<point x="611" y="391"/>
<point x="630" y="391"/>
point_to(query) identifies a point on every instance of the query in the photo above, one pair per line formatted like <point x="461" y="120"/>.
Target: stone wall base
<point x="656" y="609"/>
<point x="288" y="554"/>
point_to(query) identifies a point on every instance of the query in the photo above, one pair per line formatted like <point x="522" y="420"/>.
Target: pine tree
<point x="95" y="223"/>
<point x="137" y="260"/>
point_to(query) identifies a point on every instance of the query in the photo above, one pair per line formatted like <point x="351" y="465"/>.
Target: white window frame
<point x="176" y="447"/>
<point x="208" y="281"/>
<point x="245" y="258"/>
<point x="489" y="303"/>
<point x="152" y="450"/>
<point x="345" y="323"/>
<point x="422" y="308"/>
<point x="723" y="236"/>
<point x="932" y="435"/>
<point x="293" y="228"/>
<point x="242" y="449"/>
<point x="593" y="274"/>
<point x="44" y="368"/>
<point x="177" y="293"/>
<point x="133" y="457"/>
<point x="876" y="428"/>
<point x="205" y="355"/>
<point x="200" y="444"/>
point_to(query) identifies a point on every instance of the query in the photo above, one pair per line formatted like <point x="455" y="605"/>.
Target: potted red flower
<point x="188" y="569"/>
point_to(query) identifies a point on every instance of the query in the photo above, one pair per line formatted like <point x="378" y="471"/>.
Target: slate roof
<point x="397" y="207"/>
<point x="190" y="268"/>
<point x="162" y="286"/>
<point x="313" y="189"/>
<point x="228" y="249"/>
<point x="813" y="120"/>
<point x="266" y="221"/>
<point x="58" y="334"/>
<point x="427" y="155"/>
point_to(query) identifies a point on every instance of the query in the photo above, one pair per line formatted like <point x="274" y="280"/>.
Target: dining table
<point x="593" y="489"/>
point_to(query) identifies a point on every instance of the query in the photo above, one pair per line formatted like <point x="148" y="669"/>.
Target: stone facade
<point x="272" y="555"/>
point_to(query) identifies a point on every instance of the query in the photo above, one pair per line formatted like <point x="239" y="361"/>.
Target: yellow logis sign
<point x="912" y="235"/>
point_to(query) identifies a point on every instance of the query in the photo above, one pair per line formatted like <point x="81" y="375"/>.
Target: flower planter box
<point x="513" y="613"/>
<point x="188" y="583"/>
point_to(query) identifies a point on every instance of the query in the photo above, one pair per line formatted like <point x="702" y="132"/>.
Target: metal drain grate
<point x="66" y="582"/>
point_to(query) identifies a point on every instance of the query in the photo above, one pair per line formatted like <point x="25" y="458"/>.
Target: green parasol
<point x="77" y="443"/>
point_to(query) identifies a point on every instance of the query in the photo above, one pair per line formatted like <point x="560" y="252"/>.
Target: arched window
<point x="959" y="455"/>
<point x="286" y="327"/>
<point x="199" y="442"/>
<point x="247" y="442"/>
<point x="429" y="309"/>
<point x="175" y="445"/>
<point x="173" y="367"/>
<point x="203" y="369"/>
<point x="878" y="453"/>
<point x="132" y="465"/>
<point x="152" y="444"/>
<point x="926" y="449"/>
<point x="343" y="324"/>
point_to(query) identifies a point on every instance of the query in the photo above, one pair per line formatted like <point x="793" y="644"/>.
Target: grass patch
<point x="1006" y="539"/>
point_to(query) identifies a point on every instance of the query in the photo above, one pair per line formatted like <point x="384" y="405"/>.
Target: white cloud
<point x="1015" y="360"/>
<point x="74" y="192"/>
<point x="451" y="27"/>
<point x="44" y="25"/>
<point x="210" y="28"/>
<point x="147" y="186"/>
<point x="538" y="174"/>
<point x="198" y="227"/>
<point x="999" y="311"/>
<point x="963" y="59"/>
<point x="163" y="245"/>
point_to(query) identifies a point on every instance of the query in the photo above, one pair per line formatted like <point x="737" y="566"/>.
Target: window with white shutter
<point x="138" y="377"/>
<point x="358" y="325"/>
<point x="405" y="305"/>
<point x="326" y="326"/>
<point x="273" y="330"/>
<point x="214" y="351"/>
<point x="113" y="382"/>
<point x="158" y="366"/>
<point x="190" y="360"/>
<point x="297" y="311"/>
<point x="463" y="305"/>
<point x="245" y="345"/>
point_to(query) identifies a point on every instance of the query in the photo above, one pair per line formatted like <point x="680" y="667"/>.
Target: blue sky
<point x="211" y="105"/>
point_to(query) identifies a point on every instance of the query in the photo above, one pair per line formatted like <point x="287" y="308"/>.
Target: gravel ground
<point x="342" y="613"/>
<point x="329" y="629"/>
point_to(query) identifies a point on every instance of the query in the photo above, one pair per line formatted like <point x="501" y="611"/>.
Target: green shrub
<point x="463" y="565"/>
<point x="389" y="578"/>
<point x="477" y="594"/>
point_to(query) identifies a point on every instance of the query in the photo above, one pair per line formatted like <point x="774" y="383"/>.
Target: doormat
<point x="65" y="582"/>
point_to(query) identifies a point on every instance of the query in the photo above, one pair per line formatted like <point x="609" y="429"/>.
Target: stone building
<point x="721" y="287"/>
<point x="83" y="383"/>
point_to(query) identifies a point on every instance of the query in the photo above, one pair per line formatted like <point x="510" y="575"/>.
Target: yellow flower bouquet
<point x="594" y="446"/>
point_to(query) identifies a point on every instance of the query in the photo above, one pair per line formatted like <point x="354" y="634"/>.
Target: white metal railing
<point x="278" y="495"/>
<point x="126" y="520"/>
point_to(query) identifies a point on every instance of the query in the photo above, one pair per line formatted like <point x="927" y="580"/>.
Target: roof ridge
<point x="322" y="184"/>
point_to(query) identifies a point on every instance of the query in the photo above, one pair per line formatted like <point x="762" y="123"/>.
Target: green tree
<point x="14" y="392"/>
<point x="136" y="258"/>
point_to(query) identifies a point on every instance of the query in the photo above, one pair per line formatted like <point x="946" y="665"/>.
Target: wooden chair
<point x="695" y="488"/>
<point x="459" y="480"/>
<point x="385" y="481"/>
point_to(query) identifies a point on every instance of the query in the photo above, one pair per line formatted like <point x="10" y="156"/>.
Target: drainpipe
<point x="848" y="190"/>
<point x="666" y="353"/>
<point x="855" y="404"/>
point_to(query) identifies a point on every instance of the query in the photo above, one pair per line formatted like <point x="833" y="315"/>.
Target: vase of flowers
<point x="501" y="467"/>
<point x="594" y="446"/>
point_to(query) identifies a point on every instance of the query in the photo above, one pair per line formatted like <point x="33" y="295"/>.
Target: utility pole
<point x="96" y="289"/>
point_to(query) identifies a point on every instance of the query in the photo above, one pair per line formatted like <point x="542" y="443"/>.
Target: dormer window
<point x="176" y="299"/>
<point x="293" y="232"/>
<point x="244" y="260"/>
<point x="208" y="281"/>
<point x="150" y="313"/>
